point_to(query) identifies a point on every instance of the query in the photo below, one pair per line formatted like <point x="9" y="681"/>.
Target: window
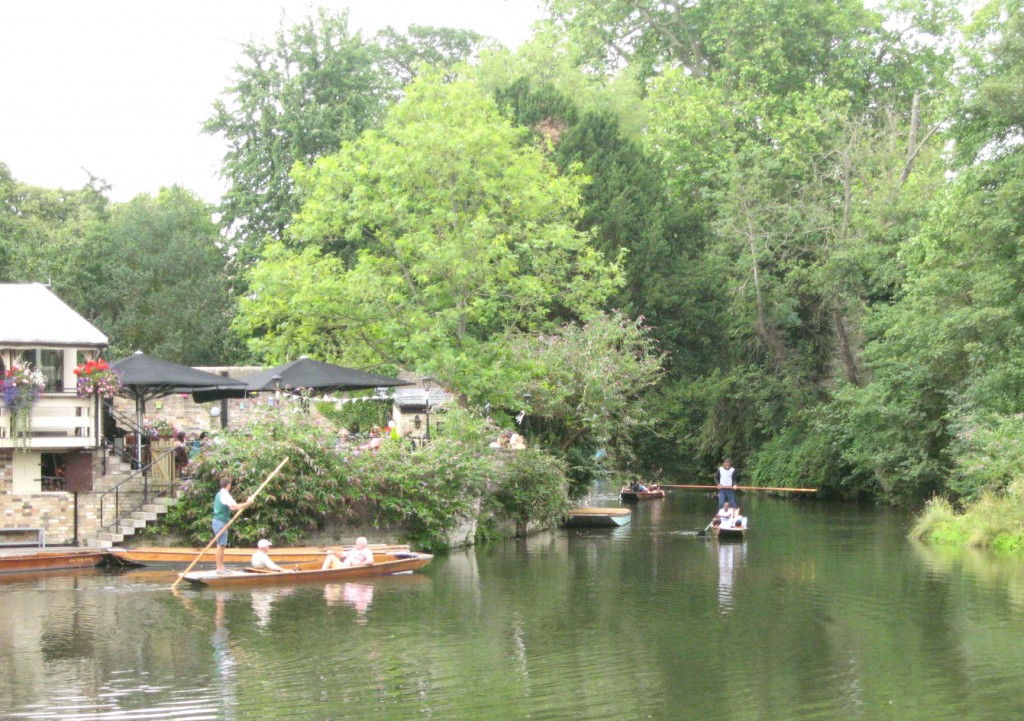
<point x="52" y="467"/>
<point x="50" y="361"/>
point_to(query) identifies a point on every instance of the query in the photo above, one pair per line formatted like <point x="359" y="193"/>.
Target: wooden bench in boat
<point x="22" y="532"/>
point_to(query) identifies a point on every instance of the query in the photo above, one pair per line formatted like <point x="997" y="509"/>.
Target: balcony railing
<point x="59" y="420"/>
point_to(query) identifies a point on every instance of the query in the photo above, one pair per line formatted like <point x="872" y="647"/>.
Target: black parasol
<point x="144" y="377"/>
<point x="309" y="374"/>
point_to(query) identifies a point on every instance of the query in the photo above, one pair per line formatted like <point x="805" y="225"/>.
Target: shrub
<point x="532" y="487"/>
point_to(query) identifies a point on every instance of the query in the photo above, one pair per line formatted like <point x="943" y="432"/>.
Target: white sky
<point x="121" y="87"/>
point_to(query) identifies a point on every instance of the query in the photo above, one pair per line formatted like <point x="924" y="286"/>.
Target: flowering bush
<point x="97" y="378"/>
<point x="158" y="428"/>
<point x="20" y="388"/>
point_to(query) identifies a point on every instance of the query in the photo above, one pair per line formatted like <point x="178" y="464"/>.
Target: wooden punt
<point x="50" y="560"/>
<point x="729" y="534"/>
<point x="598" y="517"/>
<point x="383" y="565"/>
<point x="628" y="494"/>
<point x="160" y="556"/>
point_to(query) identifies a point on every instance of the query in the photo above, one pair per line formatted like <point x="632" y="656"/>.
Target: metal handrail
<point x="148" y="492"/>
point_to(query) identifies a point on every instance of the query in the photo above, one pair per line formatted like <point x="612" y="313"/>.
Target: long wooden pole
<point x="228" y="524"/>
<point x="741" y="488"/>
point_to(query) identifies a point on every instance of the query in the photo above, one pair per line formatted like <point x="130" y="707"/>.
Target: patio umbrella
<point x="317" y="376"/>
<point x="144" y="377"/>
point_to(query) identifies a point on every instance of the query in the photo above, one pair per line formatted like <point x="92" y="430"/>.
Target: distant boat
<point x="598" y="517"/>
<point x="164" y="555"/>
<point x="730" y="533"/>
<point x="383" y="565"/>
<point x="628" y="494"/>
<point x="50" y="560"/>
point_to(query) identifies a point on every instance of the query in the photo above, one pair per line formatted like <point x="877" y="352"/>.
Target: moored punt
<point x="50" y="560"/>
<point x="383" y="565"/>
<point x="598" y="517"/>
<point x="159" y="555"/>
<point x="627" y="494"/>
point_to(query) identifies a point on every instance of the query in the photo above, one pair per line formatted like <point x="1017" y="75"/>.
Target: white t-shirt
<point x="260" y="559"/>
<point x="725" y="476"/>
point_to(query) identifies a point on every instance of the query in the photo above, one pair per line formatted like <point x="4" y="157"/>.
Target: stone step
<point x="108" y="537"/>
<point x="126" y="530"/>
<point x="146" y="516"/>
<point x="131" y="522"/>
<point x="155" y="508"/>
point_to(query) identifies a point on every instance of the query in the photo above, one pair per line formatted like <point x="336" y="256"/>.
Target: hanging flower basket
<point x="97" y="378"/>
<point x="20" y="388"/>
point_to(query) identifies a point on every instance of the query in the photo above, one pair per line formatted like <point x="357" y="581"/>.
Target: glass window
<point x="51" y="363"/>
<point x="48" y="360"/>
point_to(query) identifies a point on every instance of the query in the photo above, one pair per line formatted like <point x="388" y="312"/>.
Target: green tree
<point x="293" y="100"/>
<point x="164" y="288"/>
<point x="443" y="234"/>
<point x="944" y="360"/>
<point x="51" y="236"/>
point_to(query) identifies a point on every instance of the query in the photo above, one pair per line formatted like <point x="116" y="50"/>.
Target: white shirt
<point x="725" y="476"/>
<point x="260" y="559"/>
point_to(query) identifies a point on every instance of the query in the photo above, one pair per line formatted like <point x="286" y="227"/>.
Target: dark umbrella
<point x="306" y="373"/>
<point x="144" y="377"/>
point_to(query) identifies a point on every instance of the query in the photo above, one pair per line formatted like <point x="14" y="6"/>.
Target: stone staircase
<point x="128" y="524"/>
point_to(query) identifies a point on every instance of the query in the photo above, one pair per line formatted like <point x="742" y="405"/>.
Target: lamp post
<point x="276" y="378"/>
<point x="427" y="383"/>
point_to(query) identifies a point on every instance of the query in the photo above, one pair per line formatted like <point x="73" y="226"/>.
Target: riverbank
<point x="994" y="522"/>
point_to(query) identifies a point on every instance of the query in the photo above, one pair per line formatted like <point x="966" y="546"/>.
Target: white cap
<point x="264" y="543"/>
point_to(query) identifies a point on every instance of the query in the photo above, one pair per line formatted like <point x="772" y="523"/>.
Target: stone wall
<point x="54" y="512"/>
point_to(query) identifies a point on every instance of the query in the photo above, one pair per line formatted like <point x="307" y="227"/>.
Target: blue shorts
<point x="217" y="525"/>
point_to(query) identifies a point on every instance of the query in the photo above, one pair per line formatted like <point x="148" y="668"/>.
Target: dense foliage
<point x="787" y="232"/>
<point x="429" y="492"/>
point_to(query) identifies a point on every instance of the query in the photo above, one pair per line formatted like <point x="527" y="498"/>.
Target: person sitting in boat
<point x="260" y="559"/>
<point x="638" y="487"/>
<point x="361" y="555"/>
<point x="726" y="512"/>
<point x="738" y="519"/>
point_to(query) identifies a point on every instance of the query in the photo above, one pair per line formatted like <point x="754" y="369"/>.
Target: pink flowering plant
<point x="97" y="378"/>
<point x="20" y="388"/>
<point x="158" y="428"/>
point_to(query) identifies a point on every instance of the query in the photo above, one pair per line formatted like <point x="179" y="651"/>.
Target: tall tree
<point x="945" y="385"/>
<point x="298" y="98"/>
<point x="164" y="289"/>
<point x="317" y="84"/>
<point x="451" y="231"/>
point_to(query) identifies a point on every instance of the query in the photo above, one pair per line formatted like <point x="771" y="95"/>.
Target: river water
<point x="824" y="612"/>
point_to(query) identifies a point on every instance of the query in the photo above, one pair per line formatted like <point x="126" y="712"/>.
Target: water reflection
<point x="1005" y="573"/>
<point x="357" y="595"/>
<point x="730" y="555"/>
<point x="223" y="657"/>
<point x="263" y="602"/>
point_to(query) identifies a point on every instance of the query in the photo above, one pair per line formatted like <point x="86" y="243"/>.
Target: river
<point x="826" y="612"/>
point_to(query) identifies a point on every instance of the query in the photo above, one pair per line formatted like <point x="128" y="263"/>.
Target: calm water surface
<point x="825" y="612"/>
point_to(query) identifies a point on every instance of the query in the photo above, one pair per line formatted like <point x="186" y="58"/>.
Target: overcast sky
<point x="120" y="88"/>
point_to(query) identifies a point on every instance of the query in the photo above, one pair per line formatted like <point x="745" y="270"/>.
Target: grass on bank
<point x="993" y="521"/>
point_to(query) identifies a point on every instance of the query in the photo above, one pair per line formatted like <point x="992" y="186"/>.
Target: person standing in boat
<point x="725" y="479"/>
<point x="223" y="505"/>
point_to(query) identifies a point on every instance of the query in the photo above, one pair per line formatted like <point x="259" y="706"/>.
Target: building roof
<point x="34" y="317"/>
